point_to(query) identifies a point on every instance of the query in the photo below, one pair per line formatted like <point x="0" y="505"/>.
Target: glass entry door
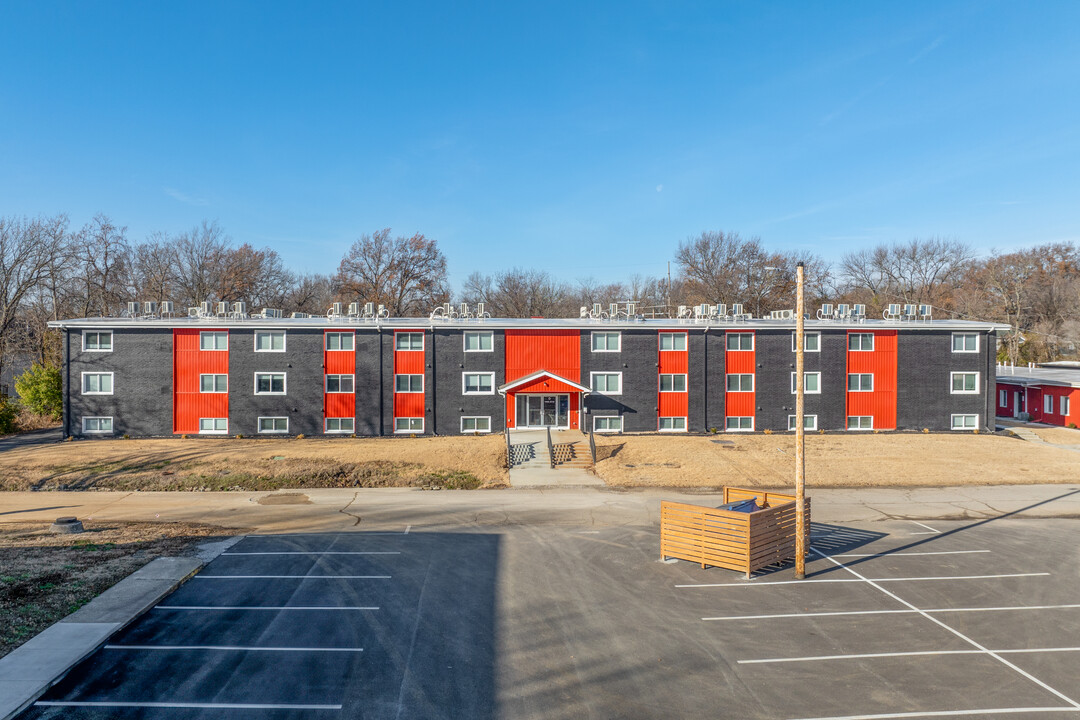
<point x="537" y="411"/>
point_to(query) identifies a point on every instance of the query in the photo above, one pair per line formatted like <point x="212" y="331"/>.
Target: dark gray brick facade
<point x="142" y="365"/>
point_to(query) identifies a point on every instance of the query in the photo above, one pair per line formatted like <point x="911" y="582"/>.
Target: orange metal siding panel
<point x="881" y="362"/>
<point x="557" y="351"/>
<point x="409" y="362"/>
<point x="339" y="405"/>
<point x="408" y="405"/>
<point x="574" y="411"/>
<point x="545" y="385"/>
<point x="739" y="404"/>
<point x="189" y="405"/>
<point x="674" y="361"/>
<point x="1074" y="407"/>
<point x="674" y="404"/>
<point x="511" y="415"/>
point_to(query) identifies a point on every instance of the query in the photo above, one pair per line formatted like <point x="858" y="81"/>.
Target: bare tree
<point x="153" y="269"/>
<point x="309" y="294"/>
<point x="918" y="271"/>
<point x="407" y="274"/>
<point x="255" y="276"/>
<point x="199" y="255"/>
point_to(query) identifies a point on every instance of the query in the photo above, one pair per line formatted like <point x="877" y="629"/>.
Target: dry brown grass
<point x="1057" y="435"/>
<point x="832" y="460"/>
<point x="45" y="576"/>
<point x="257" y="464"/>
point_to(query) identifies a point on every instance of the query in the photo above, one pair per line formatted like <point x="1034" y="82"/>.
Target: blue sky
<point x="586" y="139"/>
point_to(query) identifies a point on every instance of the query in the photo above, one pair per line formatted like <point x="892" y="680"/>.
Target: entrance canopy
<point x="542" y="381"/>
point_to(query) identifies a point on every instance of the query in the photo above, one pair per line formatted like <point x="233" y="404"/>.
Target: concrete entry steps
<point x="534" y="467"/>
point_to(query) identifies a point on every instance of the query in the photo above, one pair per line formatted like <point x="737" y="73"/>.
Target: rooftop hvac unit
<point x="736" y="308"/>
<point x="204" y="308"/>
<point x="149" y="308"/>
<point x="584" y="312"/>
<point x="223" y="308"/>
<point x="843" y="311"/>
<point x="239" y="308"/>
<point x="858" y="311"/>
<point x="892" y="312"/>
<point x="925" y="312"/>
<point x="194" y="312"/>
<point x="597" y="310"/>
<point x="354" y="309"/>
<point x="613" y="310"/>
<point x="335" y="309"/>
<point x="300" y="315"/>
<point x="480" y="312"/>
<point x="369" y="309"/>
<point x="463" y="309"/>
<point x="167" y="307"/>
<point x="825" y="312"/>
<point x="133" y="309"/>
<point x="631" y="309"/>
<point x="720" y="310"/>
<point x="383" y="312"/>
<point x="909" y="310"/>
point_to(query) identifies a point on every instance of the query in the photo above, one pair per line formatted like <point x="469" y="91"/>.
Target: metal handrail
<point x="551" y="449"/>
<point x="509" y="450"/>
<point x="592" y="447"/>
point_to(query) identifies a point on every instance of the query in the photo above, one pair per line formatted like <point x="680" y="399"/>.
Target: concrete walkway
<point x="537" y="471"/>
<point x="1024" y="431"/>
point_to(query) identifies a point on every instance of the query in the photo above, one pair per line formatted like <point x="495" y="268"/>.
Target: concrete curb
<point x="41" y="662"/>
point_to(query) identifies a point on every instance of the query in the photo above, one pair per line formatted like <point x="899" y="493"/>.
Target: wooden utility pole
<point x="800" y="433"/>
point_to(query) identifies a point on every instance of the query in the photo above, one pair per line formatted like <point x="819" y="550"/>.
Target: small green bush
<point x="41" y="390"/>
<point x="9" y="411"/>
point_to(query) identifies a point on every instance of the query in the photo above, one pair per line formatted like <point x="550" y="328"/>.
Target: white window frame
<point x="673" y="376"/>
<point x="99" y="333"/>
<point x="351" y="430"/>
<point x="858" y="429"/>
<point x="480" y="334"/>
<point x="97" y="432"/>
<point x="215" y="391"/>
<point x="214" y="432"/>
<point x="271" y="333"/>
<point x="952" y="421"/>
<point x="410" y="391"/>
<point x="606" y="334"/>
<point x="465" y="391"/>
<point x="727" y="343"/>
<point x="408" y="431"/>
<point x="1048" y="404"/>
<point x="671" y="429"/>
<point x="341" y="336"/>
<point x="1003" y="398"/>
<point x="112" y="384"/>
<point x="956" y="335"/>
<point x="806" y="336"/>
<point x="272" y="432"/>
<point x="805" y="376"/>
<point x="860" y="349"/>
<point x="326" y="383"/>
<point x="860" y="388"/>
<point x="203" y="334"/>
<point x="284" y="383"/>
<point x="399" y="335"/>
<point x="740" y="418"/>
<point x="811" y="418"/>
<point x="592" y="382"/>
<point x="1064" y="405"/>
<point x="727" y="386"/>
<point x="617" y="418"/>
<point x="952" y="383"/>
<point x="477" y="431"/>
<point x="673" y="336"/>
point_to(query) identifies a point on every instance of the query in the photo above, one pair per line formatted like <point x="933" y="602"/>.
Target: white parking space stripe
<point x="257" y="607"/>
<point x="192" y="705"/>
<point x="888" y="554"/>
<point x="949" y="713"/>
<point x="932" y="530"/>
<point x="895" y="612"/>
<point x="957" y="633"/>
<point x="813" y="658"/>
<point x="320" y="552"/>
<point x="293" y="577"/>
<point x="866" y="580"/>
<point x="244" y="648"/>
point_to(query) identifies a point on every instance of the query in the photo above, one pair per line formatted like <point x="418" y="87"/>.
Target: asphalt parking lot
<point x="896" y="619"/>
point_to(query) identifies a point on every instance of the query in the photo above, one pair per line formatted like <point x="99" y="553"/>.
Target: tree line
<point x="50" y="270"/>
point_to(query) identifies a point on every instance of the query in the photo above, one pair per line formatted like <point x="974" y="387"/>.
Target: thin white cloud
<point x="927" y="50"/>
<point x="184" y="197"/>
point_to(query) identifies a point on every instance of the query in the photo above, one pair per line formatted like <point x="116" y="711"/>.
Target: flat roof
<point x="1068" y="377"/>
<point x="519" y="323"/>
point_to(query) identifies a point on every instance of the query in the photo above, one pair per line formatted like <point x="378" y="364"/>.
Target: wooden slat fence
<point x="734" y="540"/>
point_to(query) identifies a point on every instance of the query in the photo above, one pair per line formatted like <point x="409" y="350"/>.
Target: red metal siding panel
<point x="188" y="363"/>
<point x="741" y="404"/>
<point x="881" y="362"/>
<point x="1006" y="409"/>
<point x="339" y="362"/>
<point x="339" y="405"/>
<point x="409" y="362"/>
<point x="1074" y="407"/>
<point x="557" y="351"/>
<point x="674" y="404"/>
<point x="674" y="361"/>
<point x="408" y="405"/>
<point x="545" y="385"/>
